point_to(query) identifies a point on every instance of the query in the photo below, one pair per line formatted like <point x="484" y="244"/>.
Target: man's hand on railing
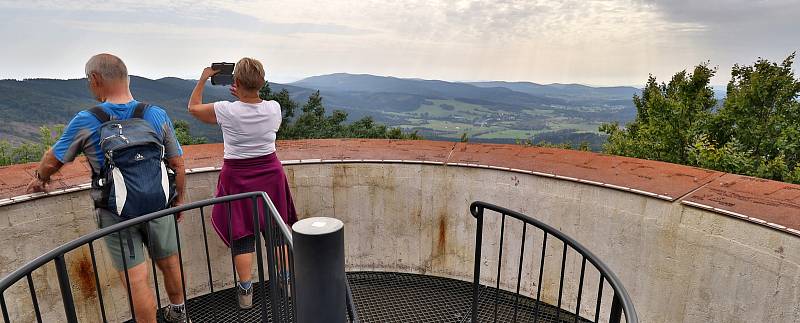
<point x="41" y="176"/>
<point x="35" y="186"/>
<point x="178" y="202"/>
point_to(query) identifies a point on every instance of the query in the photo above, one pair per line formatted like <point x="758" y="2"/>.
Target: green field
<point x="452" y="118"/>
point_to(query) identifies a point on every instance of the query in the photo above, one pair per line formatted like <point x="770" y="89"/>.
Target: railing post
<point x="476" y="284"/>
<point x="616" y="309"/>
<point x="259" y="257"/>
<point x="66" y="289"/>
<point x="319" y="270"/>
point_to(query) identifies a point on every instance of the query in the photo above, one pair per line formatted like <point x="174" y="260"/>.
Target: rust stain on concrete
<point x="442" y="241"/>
<point x="81" y="270"/>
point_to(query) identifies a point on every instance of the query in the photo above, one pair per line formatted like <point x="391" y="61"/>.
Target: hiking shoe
<point x="245" y="297"/>
<point x="176" y="314"/>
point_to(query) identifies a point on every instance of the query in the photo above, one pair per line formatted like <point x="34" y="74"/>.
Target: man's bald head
<point x="108" y="78"/>
<point x="107" y="66"/>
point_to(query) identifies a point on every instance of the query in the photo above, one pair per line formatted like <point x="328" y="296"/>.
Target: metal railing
<point x="620" y="304"/>
<point x="279" y="267"/>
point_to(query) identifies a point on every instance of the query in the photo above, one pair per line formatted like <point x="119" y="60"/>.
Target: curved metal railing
<point x="278" y="246"/>
<point x="621" y="302"/>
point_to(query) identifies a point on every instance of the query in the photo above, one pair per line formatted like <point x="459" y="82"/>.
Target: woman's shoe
<point x="245" y="297"/>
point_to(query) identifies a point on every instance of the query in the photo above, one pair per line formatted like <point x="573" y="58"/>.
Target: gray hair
<point x="109" y="67"/>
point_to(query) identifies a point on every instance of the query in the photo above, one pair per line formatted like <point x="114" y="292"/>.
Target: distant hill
<point x="567" y="92"/>
<point x="487" y="111"/>
<point x="357" y="84"/>
<point x="26" y="105"/>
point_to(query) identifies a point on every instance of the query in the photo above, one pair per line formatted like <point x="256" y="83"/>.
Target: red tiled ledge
<point x="770" y="203"/>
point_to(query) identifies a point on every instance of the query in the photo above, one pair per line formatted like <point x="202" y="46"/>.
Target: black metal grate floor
<point x="401" y="297"/>
<point x="223" y="306"/>
<point x="397" y="297"/>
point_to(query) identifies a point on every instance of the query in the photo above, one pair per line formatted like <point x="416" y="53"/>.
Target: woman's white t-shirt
<point x="248" y="129"/>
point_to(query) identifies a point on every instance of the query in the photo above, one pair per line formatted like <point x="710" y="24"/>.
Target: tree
<point x="668" y="118"/>
<point x="314" y="122"/>
<point x="288" y="106"/>
<point x="27" y="152"/>
<point x="184" y="135"/>
<point x="754" y="132"/>
<point x="759" y="120"/>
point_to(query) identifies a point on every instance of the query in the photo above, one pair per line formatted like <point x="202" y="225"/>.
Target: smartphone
<point x="225" y="75"/>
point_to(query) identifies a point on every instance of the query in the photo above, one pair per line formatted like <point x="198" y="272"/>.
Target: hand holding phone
<point x="208" y="72"/>
<point x="224" y="73"/>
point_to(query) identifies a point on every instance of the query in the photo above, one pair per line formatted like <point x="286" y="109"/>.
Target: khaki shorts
<point x="161" y="233"/>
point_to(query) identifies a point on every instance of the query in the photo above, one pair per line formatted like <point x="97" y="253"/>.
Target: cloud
<point x="163" y="17"/>
<point x="589" y="41"/>
<point x="739" y="29"/>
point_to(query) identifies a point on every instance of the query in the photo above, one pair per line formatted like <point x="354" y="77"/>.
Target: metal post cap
<point x="317" y="226"/>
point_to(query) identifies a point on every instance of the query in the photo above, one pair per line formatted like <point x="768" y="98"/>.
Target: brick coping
<point x="769" y="203"/>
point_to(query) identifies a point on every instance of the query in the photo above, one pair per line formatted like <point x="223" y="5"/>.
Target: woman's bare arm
<point x="201" y="111"/>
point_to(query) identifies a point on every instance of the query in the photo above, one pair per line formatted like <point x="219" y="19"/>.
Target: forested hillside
<point x="490" y="111"/>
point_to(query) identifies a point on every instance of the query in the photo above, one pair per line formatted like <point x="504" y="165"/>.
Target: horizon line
<point x="357" y="74"/>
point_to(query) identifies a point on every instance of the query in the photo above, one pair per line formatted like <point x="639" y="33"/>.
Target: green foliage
<point x="582" y="146"/>
<point x="313" y="122"/>
<point x="288" y="106"/>
<point x="184" y="135"/>
<point x="27" y="152"/>
<point x="668" y="117"/>
<point x="729" y="157"/>
<point x="755" y="132"/>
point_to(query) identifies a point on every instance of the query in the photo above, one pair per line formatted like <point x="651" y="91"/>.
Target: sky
<point x="594" y="42"/>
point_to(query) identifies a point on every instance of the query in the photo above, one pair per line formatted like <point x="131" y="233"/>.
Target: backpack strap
<point x="100" y="114"/>
<point x="140" y="110"/>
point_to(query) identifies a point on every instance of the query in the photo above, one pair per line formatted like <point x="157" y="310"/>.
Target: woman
<point x="249" y="128"/>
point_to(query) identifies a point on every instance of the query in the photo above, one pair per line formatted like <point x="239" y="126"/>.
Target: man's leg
<point x="118" y="245"/>
<point x="170" y="267"/>
<point x="163" y="245"/>
<point x="143" y="301"/>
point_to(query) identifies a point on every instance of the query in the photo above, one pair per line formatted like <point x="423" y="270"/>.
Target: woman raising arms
<point x="249" y="129"/>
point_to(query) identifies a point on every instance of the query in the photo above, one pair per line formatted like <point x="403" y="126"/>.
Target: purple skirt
<point x="263" y="173"/>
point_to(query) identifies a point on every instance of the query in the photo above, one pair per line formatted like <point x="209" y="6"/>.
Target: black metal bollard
<point x="319" y="270"/>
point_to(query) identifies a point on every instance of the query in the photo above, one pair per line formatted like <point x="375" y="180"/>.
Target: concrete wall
<point x="680" y="264"/>
<point x="31" y="228"/>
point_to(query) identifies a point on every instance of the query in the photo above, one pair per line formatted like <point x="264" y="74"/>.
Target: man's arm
<point x="173" y="153"/>
<point x="68" y="146"/>
<point x="47" y="167"/>
<point x="176" y="163"/>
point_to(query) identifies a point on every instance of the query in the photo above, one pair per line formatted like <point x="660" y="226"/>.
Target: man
<point x="109" y="83"/>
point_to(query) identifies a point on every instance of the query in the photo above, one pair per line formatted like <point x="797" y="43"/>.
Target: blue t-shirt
<point x="82" y="135"/>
